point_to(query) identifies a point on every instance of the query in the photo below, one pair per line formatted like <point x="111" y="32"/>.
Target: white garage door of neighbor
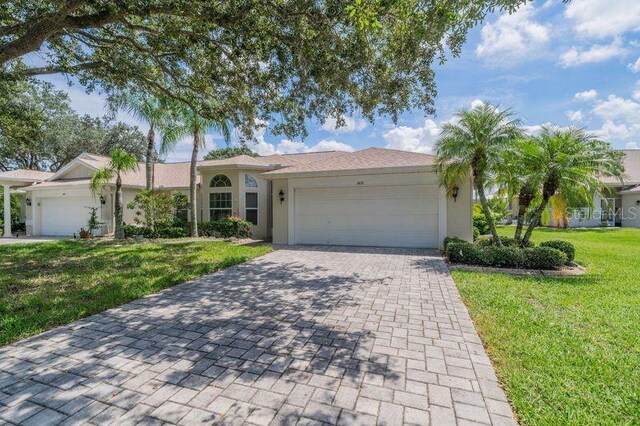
<point x="65" y="216"/>
<point x="386" y="216"/>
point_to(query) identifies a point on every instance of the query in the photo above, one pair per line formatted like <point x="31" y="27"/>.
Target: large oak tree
<point x="277" y="60"/>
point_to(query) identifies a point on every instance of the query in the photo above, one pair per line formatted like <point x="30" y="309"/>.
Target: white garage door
<point x="388" y="216"/>
<point x="65" y="216"/>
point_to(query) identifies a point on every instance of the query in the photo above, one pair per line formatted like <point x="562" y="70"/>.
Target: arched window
<point x="220" y="181"/>
<point x="250" y="181"/>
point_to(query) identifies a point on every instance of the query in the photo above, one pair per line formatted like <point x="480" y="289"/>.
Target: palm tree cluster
<point x="173" y="120"/>
<point x="491" y="145"/>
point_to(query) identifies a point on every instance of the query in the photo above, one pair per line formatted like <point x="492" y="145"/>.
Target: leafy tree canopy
<point x="282" y="61"/>
<point x="228" y="152"/>
<point x="40" y="131"/>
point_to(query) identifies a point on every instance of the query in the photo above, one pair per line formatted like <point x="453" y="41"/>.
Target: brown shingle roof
<point x="25" y="175"/>
<point x="370" y="158"/>
<point x="631" y="168"/>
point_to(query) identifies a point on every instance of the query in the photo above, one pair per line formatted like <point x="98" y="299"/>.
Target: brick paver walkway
<point x="303" y="335"/>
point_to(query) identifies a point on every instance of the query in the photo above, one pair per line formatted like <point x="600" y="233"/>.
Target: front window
<point x="220" y="181"/>
<point x="251" y="207"/>
<point x="250" y="181"/>
<point x="219" y="205"/>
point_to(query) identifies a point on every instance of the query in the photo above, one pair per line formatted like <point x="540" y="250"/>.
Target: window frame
<point x="212" y="210"/>
<point x="256" y="208"/>
<point x="220" y="178"/>
<point x="248" y="176"/>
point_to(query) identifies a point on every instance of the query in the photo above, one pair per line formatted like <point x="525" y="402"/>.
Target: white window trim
<point x="257" y="208"/>
<point x="226" y="191"/>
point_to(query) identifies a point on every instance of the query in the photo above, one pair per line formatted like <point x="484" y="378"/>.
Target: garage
<point x="65" y="216"/>
<point x="385" y="216"/>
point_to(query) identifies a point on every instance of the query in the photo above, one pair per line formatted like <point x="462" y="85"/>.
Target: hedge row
<point x="231" y="227"/>
<point x="549" y="255"/>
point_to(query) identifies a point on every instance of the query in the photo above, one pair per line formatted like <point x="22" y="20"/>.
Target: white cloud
<point x="611" y="130"/>
<point x="620" y="117"/>
<point x="617" y="108"/>
<point x="476" y="103"/>
<point x="604" y="18"/>
<point x="635" y="66"/>
<point x="595" y="54"/>
<point x="632" y="145"/>
<point x="513" y="36"/>
<point x="574" y="115"/>
<point x="350" y="125"/>
<point x="587" y="95"/>
<point x="330" y="145"/>
<point x="416" y="139"/>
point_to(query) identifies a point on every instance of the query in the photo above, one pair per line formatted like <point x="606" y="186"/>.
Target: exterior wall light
<point x="637" y="202"/>
<point x="103" y="200"/>
<point x="454" y="193"/>
<point x="281" y="194"/>
<point x="28" y="201"/>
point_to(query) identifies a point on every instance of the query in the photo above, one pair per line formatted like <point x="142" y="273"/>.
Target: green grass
<point x="49" y="284"/>
<point x="566" y="349"/>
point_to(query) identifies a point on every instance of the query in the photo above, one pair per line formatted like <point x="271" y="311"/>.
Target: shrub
<point x="226" y="228"/>
<point x="564" y="246"/>
<point x="544" y="258"/>
<point x="480" y="223"/>
<point x="502" y="257"/>
<point x="476" y="233"/>
<point x="463" y="252"/>
<point x="487" y="241"/>
<point x="132" y="230"/>
<point x="206" y="229"/>
<point x="448" y="240"/>
<point x="233" y="227"/>
<point x="172" y="232"/>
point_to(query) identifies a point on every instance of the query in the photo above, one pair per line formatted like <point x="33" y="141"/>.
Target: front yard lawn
<point x="566" y="349"/>
<point x="48" y="284"/>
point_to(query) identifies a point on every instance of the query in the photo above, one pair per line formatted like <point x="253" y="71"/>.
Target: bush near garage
<point x="546" y="258"/>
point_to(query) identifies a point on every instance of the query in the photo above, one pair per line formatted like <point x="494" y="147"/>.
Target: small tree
<point x="571" y="162"/>
<point x="474" y="142"/>
<point x="158" y="209"/>
<point x="93" y="223"/>
<point x="119" y="163"/>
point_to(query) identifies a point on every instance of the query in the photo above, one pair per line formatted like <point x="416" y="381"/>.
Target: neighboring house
<point x="373" y="197"/>
<point x="620" y="207"/>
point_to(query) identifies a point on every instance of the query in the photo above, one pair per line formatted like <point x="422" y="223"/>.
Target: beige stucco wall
<point x="77" y="172"/>
<point x="280" y="231"/>
<point x="238" y="190"/>
<point x="458" y="216"/>
<point x="460" y="212"/>
<point x="630" y="210"/>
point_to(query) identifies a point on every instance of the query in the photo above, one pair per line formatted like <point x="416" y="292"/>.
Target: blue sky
<point x="552" y="62"/>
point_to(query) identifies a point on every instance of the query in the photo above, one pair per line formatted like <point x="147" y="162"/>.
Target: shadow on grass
<point x="263" y="324"/>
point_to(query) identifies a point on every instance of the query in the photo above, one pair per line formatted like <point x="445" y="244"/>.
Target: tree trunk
<point x="193" y="213"/>
<point x="524" y="201"/>
<point x="149" y="160"/>
<point x="535" y="220"/>
<point x="487" y="212"/>
<point x="119" y="234"/>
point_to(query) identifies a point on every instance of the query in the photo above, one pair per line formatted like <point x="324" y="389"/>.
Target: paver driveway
<point x="309" y="335"/>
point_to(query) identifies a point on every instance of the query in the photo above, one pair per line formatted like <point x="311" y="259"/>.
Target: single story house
<point x="621" y="204"/>
<point x="372" y="197"/>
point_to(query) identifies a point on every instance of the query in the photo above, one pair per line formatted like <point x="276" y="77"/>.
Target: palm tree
<point x="155" y="113"/>
<point x="188" y="121"/>
<point x="516" y="180"/>
<point x="570" y="162"/>
<point x="474" y="142"/>
<point x="120" y="162"/>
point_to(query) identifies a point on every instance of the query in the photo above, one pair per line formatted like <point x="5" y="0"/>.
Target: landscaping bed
<point x="44" y="285"/>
